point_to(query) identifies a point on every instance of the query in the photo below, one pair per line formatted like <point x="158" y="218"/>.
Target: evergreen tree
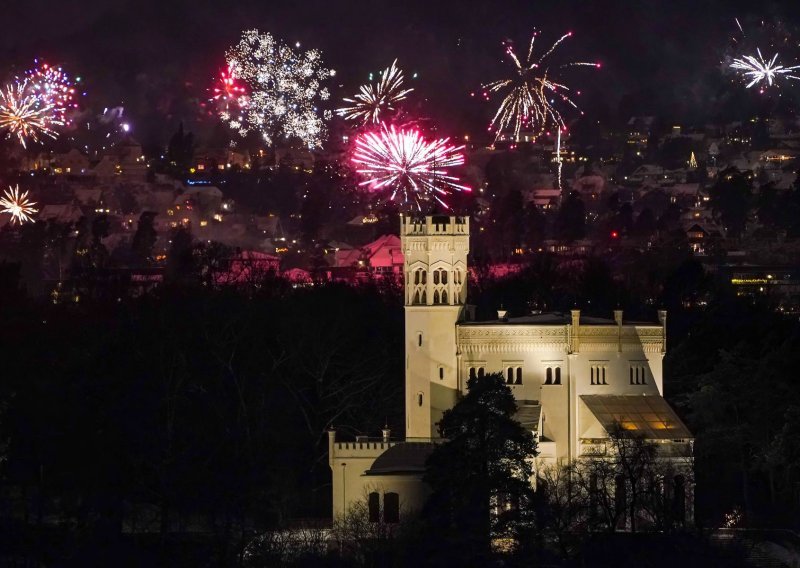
<point x="481" y="476"/>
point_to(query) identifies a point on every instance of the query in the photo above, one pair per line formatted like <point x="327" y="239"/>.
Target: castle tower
<point x="435" y="270"/>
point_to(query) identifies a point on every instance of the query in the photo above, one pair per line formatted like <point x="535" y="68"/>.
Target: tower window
<point x="638" y="374"/>
<point x="557" y="380"/>
<point x="548" y="376"/>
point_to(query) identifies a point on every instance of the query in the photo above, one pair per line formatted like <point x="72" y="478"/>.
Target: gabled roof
<point x="648" y="415"/>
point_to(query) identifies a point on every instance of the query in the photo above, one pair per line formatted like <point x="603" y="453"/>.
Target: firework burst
<point x="373" y="100"/>
<point x="54" y="87"/>
<point x="406" y="167"/>
<point x="229" y="96"/>
<point x="534" y="91"/>
<point x="758" y="70"/>
<point x="283" y="87"/>
<point x="757" y="54"/>
<point x="17" y="205"/>
<point x="25" y="115"/>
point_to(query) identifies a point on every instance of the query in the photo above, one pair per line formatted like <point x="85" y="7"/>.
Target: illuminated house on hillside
<point x="574" y="378"/>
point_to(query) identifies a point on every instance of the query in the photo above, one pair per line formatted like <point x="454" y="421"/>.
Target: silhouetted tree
<point x="481" y="475"/>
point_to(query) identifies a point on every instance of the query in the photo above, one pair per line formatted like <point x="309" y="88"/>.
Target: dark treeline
<point x="188" y="410"/>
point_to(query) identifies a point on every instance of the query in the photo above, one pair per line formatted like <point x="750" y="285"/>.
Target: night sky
<point x="158" y="57"/>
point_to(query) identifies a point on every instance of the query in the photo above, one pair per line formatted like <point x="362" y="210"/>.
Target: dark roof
<point x="405" y="457"/>
<point x="649" y="415"/>
<point x="552" y="318"/>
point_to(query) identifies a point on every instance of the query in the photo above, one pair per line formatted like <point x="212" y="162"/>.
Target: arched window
<point x="435" y="297"/>
<point x="519" y="376"/>
<point x="644" y="374"/>
<point x="416" y="277"/>
<point x="444" y="277"/>
<point x="558" y="376"/>
<point x="441" y="373"/>
<point x="374" y="504"/>
<point x="416" y="298"/>
<point x="510" y="376"/>
<point x="419" y="399"/>
<point x="548" y="376"/>
<point x="591" y="375"/>
<point x="481" y="373"/>
<point x="424" y="277"/>
<point x="603" y="371"/>
<point x="632" y="375"/>
<point x="444" y="296"/>
<point x="424" y="296"/>
<point x="472" y="372"/>
<point x="419" y="339"/>
<point x="436" y="276"/>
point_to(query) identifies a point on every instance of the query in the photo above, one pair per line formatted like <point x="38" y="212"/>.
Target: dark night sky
<point x="158" y="56"/>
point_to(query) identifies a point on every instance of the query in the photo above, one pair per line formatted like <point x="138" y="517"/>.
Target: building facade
<point x="574" y="377"/>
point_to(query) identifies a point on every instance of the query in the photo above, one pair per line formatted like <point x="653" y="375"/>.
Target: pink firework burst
<point x="406" y="167"/>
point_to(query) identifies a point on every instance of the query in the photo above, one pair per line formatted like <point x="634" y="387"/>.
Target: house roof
<point x="406" y="457"/>
<point x="649" y="415"/>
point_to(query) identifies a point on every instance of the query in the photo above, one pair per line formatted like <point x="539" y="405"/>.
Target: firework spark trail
<point x="756" y="69"/>
<point x="372" y="100"/>
<point x="25" y="115"/>
<point x="408" y="167"/>
<point x="529" y="91"/>
<point x="283" y="86"/>
<point x="17" y="205"/>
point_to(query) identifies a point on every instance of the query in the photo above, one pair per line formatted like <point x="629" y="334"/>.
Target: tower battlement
<point x="432" y="225"/>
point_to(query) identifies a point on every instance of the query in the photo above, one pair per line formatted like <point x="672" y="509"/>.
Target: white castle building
<point x="573" y="377"/>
